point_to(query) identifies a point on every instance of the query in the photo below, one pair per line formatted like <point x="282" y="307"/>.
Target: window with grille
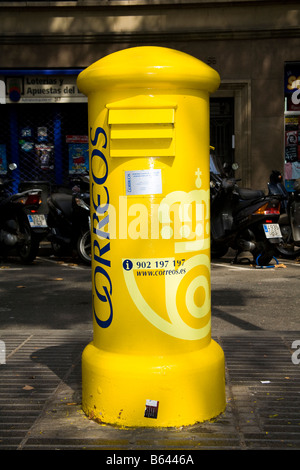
<point x="48" y="141"/>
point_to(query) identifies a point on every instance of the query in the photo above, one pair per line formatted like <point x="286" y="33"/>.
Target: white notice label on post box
<point x="142" y="182"/>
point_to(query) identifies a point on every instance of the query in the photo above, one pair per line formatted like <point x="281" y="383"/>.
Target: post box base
<point x="146" y="391"/>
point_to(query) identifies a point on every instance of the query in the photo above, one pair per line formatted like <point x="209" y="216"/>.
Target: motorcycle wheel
<point x="29" y="247"/>
<point x="84" y="247"/>
<point x="217" y="251"/>
<point x="263" y="253"/>
<point x="58" y="249"/>
<point x="287" y="249"/>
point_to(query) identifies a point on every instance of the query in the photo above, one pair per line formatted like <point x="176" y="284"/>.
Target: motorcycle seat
<point x="247" y="194"/>
<point x="63" y="202"/>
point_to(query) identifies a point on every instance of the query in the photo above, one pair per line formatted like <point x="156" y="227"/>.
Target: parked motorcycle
<point x="289" y="220"/>
<point x="242" y="219"/>
<point x="20" y="224"/>
<point x="69" y="221"/>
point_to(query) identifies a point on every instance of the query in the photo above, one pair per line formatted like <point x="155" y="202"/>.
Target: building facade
<point x="253" y="44"/>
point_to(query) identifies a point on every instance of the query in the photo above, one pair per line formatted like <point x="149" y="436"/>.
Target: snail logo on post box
<point x="186" y="275"/>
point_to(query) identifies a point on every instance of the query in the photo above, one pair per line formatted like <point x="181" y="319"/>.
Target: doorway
<point x="222" y="128"/>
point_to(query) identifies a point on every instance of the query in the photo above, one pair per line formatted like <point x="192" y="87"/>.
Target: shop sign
<point x="78" y="146"/>
<point x="292" y="124"/>
<point x="43" y="89"/>
<point x="292" y="86"/>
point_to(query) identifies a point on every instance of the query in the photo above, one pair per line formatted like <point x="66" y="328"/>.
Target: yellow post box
<point x="152" y="361"/>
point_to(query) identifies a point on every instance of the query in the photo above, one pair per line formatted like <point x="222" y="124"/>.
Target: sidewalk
<point x="255" y="319"/>
<point x="40" y="396"/>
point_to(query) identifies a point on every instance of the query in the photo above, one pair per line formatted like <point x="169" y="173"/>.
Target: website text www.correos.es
<point x="167" y="272"/>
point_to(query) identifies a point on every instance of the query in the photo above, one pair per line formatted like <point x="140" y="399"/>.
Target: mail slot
<point x="141" y="132"/>
<point x="152" y="361"/>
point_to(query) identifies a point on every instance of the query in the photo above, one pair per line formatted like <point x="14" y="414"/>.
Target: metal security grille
<point x="43" y="138"/>
<point x="40" y="138"/>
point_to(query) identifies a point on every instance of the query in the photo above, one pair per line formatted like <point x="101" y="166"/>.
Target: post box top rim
<point x="146" y="66"/>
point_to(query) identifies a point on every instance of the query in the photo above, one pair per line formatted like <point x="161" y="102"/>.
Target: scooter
<point x="289" y="220"/>
<point x="69" y="222"/>
<point x="20" y="230"/>
<point x="242" y="219"/>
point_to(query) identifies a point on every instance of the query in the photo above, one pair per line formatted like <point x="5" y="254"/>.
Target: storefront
<point x="292" y="123"/>
<point x="249" y="43"/>
<point x="43" y="126"/>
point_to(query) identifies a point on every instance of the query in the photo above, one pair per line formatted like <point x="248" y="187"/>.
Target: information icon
<point x="127" y="265"/>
